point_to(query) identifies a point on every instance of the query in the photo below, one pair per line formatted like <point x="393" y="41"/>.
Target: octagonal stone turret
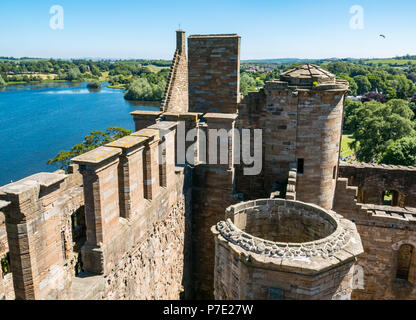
<point x="279" y="249"/>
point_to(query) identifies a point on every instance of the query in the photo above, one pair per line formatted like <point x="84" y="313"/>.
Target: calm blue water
<point x="37" y="121"/>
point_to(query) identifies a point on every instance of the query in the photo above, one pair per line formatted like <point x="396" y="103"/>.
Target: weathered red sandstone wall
<point x="6" y="279"/>
<point x="38" y="225"/>
<point x="157" y="266"/>
<point x="138" y="226"/>
<point x="214" y="73"/>
<point x="297" y="123"/>
<point x="176" y="92"/>
<point x="383" y="230"/>
<point x="140" y="249"/>
<point x="373" y="180"/>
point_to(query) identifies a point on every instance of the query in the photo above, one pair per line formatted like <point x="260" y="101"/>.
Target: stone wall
<point x="38" y="225"/>
<point x="6" y="279"/>
<point x="300" y="121"/>
<point x="176" y="93"/>
<point x="373" y="180"/>
<point x="249" y="266"/>
<point x="383" y="229"/>
<point x="138" y="215"/>
<point x="158" y="267"/>
<point x="214" y="73"/>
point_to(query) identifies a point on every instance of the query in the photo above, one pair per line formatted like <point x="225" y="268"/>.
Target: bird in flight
<point x="383" y="36"/>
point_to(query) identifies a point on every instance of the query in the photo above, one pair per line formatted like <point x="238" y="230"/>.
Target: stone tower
<point x="320" y="100"/>
<point x="301" y="117"/>
<point x="214" y="73"/>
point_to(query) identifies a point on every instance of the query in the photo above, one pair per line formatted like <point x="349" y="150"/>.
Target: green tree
<point x="247" y="83"/>
<point x="95" y="70"/>
<point x="402" y="88"/>
<point x="350" y="106"/>
<point x="2" y="82"/>
<point x="351" y="81"/>
<point x="94" y="140"/>
<point x="378" y="126"/>
<point x="73" y="74"/>
<point x="94" y="84"/>
<point x="363" y="84"/>
<point x="139" y="89"/>
<point x="401" y="152"/>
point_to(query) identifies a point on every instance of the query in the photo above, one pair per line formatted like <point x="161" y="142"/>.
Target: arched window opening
<point x="404" y="262"/>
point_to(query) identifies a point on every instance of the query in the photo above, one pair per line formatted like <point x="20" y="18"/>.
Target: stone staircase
<point x="169" y="86"/>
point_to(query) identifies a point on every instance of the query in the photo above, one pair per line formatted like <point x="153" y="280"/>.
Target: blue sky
<point x="268" y="28"/>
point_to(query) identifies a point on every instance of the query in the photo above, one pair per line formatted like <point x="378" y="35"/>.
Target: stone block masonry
<point x="214" y="73"/>
<point x="38" y="226"/>
<point x="176" y="93"/>
<point x="277" y="249"/>
<point x="143" y="222"/>
<point x="383" y="230"/>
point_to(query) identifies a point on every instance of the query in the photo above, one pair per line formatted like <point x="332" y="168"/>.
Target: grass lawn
<point x="345" y="149"/>
<point x="154" y="68"/>
<point x="104" y="76"/>
<point x="120" y="86"/>
<point x="395" y="62"/>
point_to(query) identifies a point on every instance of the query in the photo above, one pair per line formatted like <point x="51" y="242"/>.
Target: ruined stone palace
<point x="129" y="221"/>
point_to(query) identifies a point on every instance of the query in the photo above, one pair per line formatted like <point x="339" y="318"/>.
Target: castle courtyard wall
<point x="383" y="229"/>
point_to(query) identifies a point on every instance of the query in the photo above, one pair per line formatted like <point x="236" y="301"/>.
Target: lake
<point x="39" y="120"/>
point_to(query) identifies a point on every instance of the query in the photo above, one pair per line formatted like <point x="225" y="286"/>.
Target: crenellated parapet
<point x="38" y="212"/>
<point x="373" y="181"/>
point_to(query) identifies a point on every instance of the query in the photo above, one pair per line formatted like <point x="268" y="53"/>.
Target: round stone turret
<point x="307" y="75"/>
<point x="304" y="117"/>
<point x="279" y="249"/>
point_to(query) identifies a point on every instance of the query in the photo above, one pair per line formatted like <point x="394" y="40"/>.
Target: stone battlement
<point x="145" y="216"/>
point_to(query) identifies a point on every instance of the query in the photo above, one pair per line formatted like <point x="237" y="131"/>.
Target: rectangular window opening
<point x="300" y="167"/>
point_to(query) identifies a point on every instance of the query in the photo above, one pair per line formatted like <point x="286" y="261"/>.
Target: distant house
<point x="355" y="98"/>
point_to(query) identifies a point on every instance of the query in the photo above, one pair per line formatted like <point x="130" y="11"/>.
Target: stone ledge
<point x="152" y="134"/>
<point x="42" y="179"/>
<point x="127" y="142"/>
<point x="144" y="113"/>
<point x="97" y="155"/>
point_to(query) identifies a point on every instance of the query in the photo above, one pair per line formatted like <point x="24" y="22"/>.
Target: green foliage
<point x="2" y="82"/>
<point x="401" y="152"/>
<point x="139" y="89"/>
<point x="94" y="84"/>
<point x="401" y="88"/>
<point x="5" y="264"/>
<point x="363" y="84"/>
<point x="377" y="126"/>
<point x="351" y="81"/>
<point x="73" y="74"/>
<point x="94" y="140"/>
<point x="350" y="124"/>
<point x="247" y="83"/>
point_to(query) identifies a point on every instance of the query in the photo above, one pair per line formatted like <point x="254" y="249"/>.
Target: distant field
<point x="345" y="149"/>
<point x="155" y="68"/>
<point x="43" y="76"/>
<point x="394" y="62"/>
